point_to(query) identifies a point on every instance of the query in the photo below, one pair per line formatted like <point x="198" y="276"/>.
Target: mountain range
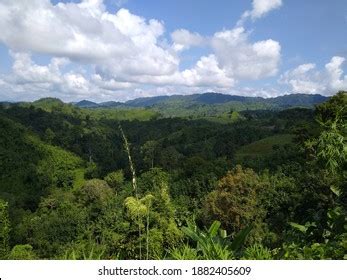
<point x="210" y="104"/>
<point x="203" y="105"/>
<point x="210" y="98"/>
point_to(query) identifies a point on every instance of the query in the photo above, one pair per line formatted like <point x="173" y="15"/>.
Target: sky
<point x="104" y="50"/>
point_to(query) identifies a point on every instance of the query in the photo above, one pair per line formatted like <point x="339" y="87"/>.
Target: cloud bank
<point x="306" y="78"/>
<point x="101" y="55"/>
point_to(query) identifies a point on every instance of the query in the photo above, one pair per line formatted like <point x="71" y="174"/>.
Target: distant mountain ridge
<point x="206" y="105"/>
<point x="211" y="98"/>
<point x="86" y="104"/>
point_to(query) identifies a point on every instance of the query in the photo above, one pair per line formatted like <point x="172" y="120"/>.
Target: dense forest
<point x="233" y="181"/>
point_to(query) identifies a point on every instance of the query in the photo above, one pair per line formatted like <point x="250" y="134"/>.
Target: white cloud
<point x="184" y="39"/>
<point x="111" y="84"/>
<point x="335" y="73"/>
<point x="86" y="32"/>
<point x="31" y="81"/>
<point x="26" y="71"/>
<point x="126" y="52"/>
<point x="306" y="78"/>
<point x="260" y="8"/>
<point x="243" y="59"/>
<point x="207" y="72"/>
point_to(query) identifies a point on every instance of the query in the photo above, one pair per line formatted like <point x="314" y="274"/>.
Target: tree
<point x="154" y="214"/>
<point x="325" y="238"/>
<point x="335" y="108"/>
<point x="49" y="135"/>
<point x="330" y="147"/>
<point x="139" y="209"/>
<point x="235" y="202"/>
<point x="115" y="179"/>
<point x="4" y="229"/>
<point x="148" y="151"/>
<point x="58" y="221"/>
<point x="95" y="195"/>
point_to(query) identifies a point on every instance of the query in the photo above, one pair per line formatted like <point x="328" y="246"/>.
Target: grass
<point x="264" y="146"/>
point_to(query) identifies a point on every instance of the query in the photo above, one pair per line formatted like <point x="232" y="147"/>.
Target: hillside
<point x="264" y="146"/>
<point x="68" y="188"/>
<point x="210" y="104"/>
<point x="218" y="98"/>
<point x="29" y="165"/>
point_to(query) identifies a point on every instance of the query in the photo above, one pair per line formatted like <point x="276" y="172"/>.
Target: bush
<point x="22" y="252"/>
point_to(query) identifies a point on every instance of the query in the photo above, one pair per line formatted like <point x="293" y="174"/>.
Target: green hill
<point x="209" y="105"/>
<point x="28" y="166"/>
<point x="264" y="146"/>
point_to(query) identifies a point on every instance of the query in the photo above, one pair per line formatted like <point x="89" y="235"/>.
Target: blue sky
<point x="124" y="49"/>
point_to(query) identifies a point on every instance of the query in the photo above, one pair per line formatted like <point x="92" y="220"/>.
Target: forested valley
<point x="136" y="183"/>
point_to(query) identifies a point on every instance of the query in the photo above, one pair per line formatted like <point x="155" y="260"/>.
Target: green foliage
<point x="22" y="252"/>
<point x="264" y="146"/>
<point x="214" y="105"/>
<point x="332" y="241"/>
<point x="121" y="114"/>
<point x="333" y="111"/>
<point x="316" y="251"/>
<point x="148" y="151"/>
<point x="240" y="238"/>
<point x="154" y="215"/>
<point x="211" y="245"/>
<point x="54" y="155"/>
<point x="138" y="208"/>
<point x="257" y="252"/>
<point x="58" y="167"/>
<point x="326" y="239"/>
<point x="185" y="252"/>
<point x="29" y="166"/>
<point x="115" y="179"/>
<point x="49" y="104"/>
<point x="236" y="201"/>
<point x="49" y="135"/>
<point x="91" y="170"/>
<point x="57" y="222"/>
<point x="331" y="147"/>
<point x="95" y="194"/>
<point x="85" y="250"/>
<point x="4" y="229"/>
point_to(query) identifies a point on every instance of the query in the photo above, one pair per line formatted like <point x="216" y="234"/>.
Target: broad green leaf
<point x="214" y="228"/>
<point x="240" y="238"/>
<point x="299" y="227"/>
<point x="336" y="191"/>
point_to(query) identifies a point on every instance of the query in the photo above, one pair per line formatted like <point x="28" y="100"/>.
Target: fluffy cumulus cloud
<point x="85" y="32"/>
<point x="124" y="53"/>
<point x="306" y="78"/>
<point x="28" y="77"/>
<point x="260" y="9"/>
<point x="25" y="71"/>
<point x="207" y="72"/>
<point x="184" y="39"/>
<point x="243" y="59"/>
<point x="335" y="73"/>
